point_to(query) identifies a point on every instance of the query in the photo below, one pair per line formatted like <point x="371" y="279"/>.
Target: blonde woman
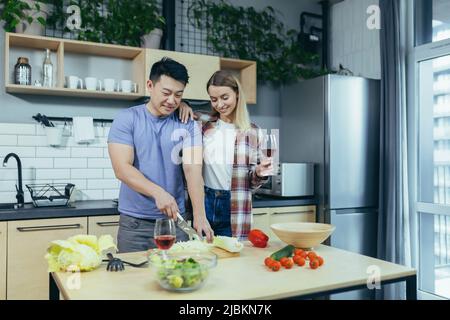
<point x="233" y="165"/>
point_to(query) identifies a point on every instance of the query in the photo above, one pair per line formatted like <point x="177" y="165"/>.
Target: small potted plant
<point x="152" y="28"/>
<point x="24" y="16"/>
<point x="135" y="23"/>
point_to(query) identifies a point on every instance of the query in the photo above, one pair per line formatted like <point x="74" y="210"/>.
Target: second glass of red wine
<point x="165" y="233"/>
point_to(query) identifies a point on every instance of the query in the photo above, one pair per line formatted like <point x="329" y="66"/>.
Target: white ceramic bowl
<point x="304" y="235"/>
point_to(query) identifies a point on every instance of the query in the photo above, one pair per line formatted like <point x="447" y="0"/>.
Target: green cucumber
<point x="287" y="251"/>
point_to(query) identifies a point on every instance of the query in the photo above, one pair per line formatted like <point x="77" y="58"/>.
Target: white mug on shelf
<point x="91" y="83"/>
<point x="126" y="85"/>
<point x="110" y="85"/>
<point x="73" y="81"/>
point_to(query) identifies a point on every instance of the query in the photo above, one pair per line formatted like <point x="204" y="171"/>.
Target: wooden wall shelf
<point x="62" y="47"/>
<point x="200" y="67"/>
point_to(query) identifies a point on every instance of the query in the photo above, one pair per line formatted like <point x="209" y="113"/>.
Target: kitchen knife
<point x="187" y="228"/>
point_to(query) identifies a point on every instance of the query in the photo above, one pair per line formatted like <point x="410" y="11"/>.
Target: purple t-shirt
<point x="157" y="142"/>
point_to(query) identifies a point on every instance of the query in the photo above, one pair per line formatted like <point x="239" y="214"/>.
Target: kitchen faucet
<point x="19" y="195"/>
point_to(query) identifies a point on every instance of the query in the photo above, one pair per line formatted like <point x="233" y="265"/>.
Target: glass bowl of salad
<point x="181" y="271"/>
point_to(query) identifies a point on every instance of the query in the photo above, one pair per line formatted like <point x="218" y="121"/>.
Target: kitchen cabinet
<point x="263" y="218"/>
<point x="200" y="69"/>
<point x="3" y="228"/>
<point x="28" y="240"/>
<point x="101" y="225"/>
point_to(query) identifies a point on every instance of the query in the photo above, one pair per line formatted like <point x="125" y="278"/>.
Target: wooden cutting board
<point x="223" y="254"/>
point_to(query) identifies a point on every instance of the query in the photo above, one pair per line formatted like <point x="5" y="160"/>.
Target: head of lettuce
<point x="78" y="253"/>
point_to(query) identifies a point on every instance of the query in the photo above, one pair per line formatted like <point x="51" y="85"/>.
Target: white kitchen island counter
<point x="239" y="278"/>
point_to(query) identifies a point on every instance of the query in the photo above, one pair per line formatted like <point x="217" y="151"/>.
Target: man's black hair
<point x="169" y="68"/>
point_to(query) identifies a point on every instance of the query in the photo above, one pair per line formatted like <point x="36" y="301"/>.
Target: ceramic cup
<point x="110" y="85"/>
<point x="54" y="136"/>
<point x="91" y="83"/>
<point x="73" y="82"/>
<point x="126" y="85"/>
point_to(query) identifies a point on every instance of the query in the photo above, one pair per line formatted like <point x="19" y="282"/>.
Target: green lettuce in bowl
<point x="182" y="271"/>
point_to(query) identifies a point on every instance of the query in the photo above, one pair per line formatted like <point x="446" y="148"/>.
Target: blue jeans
<point x="218" y="211"/>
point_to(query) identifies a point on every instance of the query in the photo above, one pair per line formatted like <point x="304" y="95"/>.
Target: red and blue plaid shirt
<point x="244" y="181"/>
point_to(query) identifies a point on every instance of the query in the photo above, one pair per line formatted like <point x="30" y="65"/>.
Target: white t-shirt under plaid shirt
<point x="218" y="156"/>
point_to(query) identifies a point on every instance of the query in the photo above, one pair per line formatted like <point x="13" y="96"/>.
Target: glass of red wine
<point x="164" y="233"/>
<point x="269" y="147"/>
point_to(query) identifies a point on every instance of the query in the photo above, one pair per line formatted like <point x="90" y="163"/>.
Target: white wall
<point x="86" y="166"/>
<point x="353" y="44"/>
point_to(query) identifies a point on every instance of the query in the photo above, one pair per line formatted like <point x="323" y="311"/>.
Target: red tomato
<point x="268" y="261"/>
<point x="298" y="252"/>
<point x="312" y="255"/>
<point x="289" y="263"/>
<point x="320" y="259"/>
<point x="314" y="264"/>
<point x="276" y="265"/>
<point x="299" y="260"/>
<point x="283" y="261"/>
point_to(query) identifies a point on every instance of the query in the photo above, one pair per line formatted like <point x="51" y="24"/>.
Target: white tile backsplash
<point x="111" y="194"/>
<point x="8" y="140"/>
<point x="99" y="163"/>
<point x="52" y="174"/>
<point x="17" y="128"/>
<point x="86" y="173"/>
<point x="87" y="152"/>
<point x="20" y="151"/>
<point x="103" y="184"/>
<point x="32" y="141"/>
<point x="69" y="163"/>
<point x="88" y="167"/>
<point x="51" y="152"/>
<point x="108" y="173"/>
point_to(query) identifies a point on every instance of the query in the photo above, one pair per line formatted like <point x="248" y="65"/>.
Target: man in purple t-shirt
<point x="144" y="145"/>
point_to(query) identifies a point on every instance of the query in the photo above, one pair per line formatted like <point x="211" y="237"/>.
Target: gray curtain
<point x="394" y="222"/>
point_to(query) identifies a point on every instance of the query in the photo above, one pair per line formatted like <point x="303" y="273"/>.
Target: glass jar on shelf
<point x="22" y="72"/>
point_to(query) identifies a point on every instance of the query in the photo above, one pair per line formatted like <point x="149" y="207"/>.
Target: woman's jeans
<point x="218" y="211"/>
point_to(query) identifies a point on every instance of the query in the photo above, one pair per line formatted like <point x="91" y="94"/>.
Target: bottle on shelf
<point x="22" y="72"/>
<point x="47" y="70"/>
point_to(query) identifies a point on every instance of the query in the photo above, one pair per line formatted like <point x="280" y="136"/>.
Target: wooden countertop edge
<point x="60" y="286"/>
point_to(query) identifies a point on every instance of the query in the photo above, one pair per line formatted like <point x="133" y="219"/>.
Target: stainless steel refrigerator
<point x="333" y="121"/>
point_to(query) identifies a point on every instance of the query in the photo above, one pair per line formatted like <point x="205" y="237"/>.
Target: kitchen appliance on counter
<point x="334" y="121"/>
<point x="290" y="180"/>
<point x="50" y="195"/>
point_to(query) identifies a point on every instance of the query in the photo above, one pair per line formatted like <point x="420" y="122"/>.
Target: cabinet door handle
<point x="260" y="214"/>
<point x="293" y="212"/>
<point x="108" y="224"/>
<point x="47" y="228"/>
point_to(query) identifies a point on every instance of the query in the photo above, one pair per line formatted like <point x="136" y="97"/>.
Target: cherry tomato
<point x="283" y="261"/>
<point x="314" y="264"/>
<point x="304" y="254"/>
<point x="288" y="263"/>
<point x="276" y="265"/>
<point x="312" y="255"/>
<point x="320" y="259"/>
<point x="299" y="260"/>
<point x="298" y="252"/>
<point x="268" y="261"/>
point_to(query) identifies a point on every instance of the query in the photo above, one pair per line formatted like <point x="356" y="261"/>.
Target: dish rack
<point x="50" y="195"/>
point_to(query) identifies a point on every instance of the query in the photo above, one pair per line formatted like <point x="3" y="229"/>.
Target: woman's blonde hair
<point x="225" y="79"/>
